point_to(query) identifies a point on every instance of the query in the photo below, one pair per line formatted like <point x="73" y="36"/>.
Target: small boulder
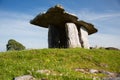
<point x="14" y="45"/>
<point x="93" y="71"/>
<point x="111" y="48"/>
<point x="24" y="77"/>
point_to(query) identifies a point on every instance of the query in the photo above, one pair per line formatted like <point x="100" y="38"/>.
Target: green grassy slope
<point x="59" y="61"/>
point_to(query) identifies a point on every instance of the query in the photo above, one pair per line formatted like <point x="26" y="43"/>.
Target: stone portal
<point x="65" y="30"/>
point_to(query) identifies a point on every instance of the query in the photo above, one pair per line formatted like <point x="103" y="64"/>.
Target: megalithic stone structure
<point x="65" y="30"/>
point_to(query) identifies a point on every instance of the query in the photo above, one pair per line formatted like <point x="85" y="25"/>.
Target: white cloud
<point x="107" y="25"/>
<point x="92" y="16"/>
<point x="16" y="26"/>
<point x="104" y="40"/>
<point x="14" y="15"/>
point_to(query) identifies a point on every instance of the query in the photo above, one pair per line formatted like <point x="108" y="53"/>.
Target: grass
<point x="59" y="61"/>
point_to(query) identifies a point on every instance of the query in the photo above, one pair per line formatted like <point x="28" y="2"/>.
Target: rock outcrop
<point x="14" y="45"/>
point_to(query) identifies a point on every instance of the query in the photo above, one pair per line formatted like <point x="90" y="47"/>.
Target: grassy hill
<point x="60" y="63"/>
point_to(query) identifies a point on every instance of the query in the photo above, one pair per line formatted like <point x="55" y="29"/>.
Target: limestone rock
<point x="109" y="75"/>
<point x="25" y="77"/>
<point x="111" y="78"/>
<point x="57" y="37"/>
<point x="14" y="45"/>
<point x="53" y="37"/>
<point x="93" y="71"/>
<point x="72" y="34"/>
<point x="84" y="37"/>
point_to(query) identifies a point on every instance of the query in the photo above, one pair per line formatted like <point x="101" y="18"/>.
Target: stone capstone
<point x="57" y="16"/>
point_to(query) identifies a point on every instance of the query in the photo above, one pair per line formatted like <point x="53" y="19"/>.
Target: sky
<point x="15" y="16"/>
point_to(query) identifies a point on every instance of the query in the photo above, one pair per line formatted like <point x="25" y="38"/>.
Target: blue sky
<point x="16" y="14"/>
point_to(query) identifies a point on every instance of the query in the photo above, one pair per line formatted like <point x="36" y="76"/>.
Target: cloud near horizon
<point x="91" y="16"/>
<point x="108" y="26"/>
<point x="16" y="26"/>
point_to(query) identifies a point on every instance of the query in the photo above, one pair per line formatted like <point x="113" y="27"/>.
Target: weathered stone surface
<point x="93" y="71"/>
<point x="89" y="27"/>
<point x="14" y="45"/>
<point x="111" y="78"/>
<point x="53" y="37"/>
<point x="65" y="30"/>
<point x="25" y="77"/>
<point x="109" y="75"/>
<point x="57" y="37"/>
<point x="84" y="37"/>
<point x="72" y="34"/>
<point x="55" y="16"/>
<point x="58" y="17"/>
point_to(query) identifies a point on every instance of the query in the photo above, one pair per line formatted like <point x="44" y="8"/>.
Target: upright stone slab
<point x="84" y="37"/>
<point x="72" y="35"/>
<point x="53" y="37"/>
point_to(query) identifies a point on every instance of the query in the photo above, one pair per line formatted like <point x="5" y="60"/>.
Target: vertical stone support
<point x="53" y="37"/>
<point x="72" y="35"/>
<point x="84" y="37"/>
